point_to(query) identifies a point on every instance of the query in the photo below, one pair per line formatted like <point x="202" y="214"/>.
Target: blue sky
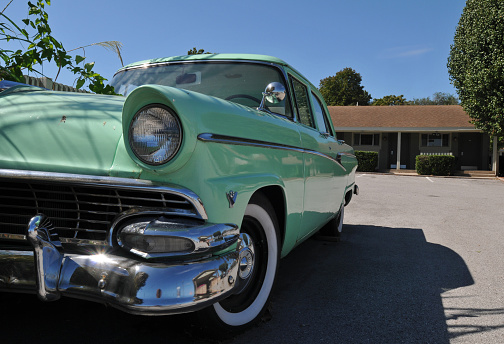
<point x="398" y="46"/>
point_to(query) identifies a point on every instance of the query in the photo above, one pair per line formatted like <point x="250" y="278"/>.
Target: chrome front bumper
<point x="133" y="285"/>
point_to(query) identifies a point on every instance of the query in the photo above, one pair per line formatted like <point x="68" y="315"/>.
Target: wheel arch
<point x="276" y="196"/>
<point x="348" y="197"/>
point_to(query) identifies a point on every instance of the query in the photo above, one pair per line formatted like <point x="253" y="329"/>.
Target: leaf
<point x="79" y="59"/>
<point x="80" y="83"/>
<point x="89" y="66"/>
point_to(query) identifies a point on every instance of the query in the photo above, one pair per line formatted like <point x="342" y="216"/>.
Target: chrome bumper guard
<point x="133" y="285"/>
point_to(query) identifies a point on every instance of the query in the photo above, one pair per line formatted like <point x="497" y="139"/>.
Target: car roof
<point x="249" y="57"/>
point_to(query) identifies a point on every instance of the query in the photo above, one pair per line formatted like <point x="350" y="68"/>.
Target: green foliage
<point x="439" y="98"/>
<point x="344" y="88"/>
<point x="194" y="51"/>
<point x="476" y="64"/>
<point x="368" y="161"/>
<point x="390" y="100"/>
<point x="437" y="165"/>
<point x="42" y="47"/>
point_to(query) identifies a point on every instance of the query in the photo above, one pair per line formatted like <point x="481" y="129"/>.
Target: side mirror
<point x="274" y="94"/>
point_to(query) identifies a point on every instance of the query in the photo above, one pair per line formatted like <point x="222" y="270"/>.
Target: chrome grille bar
<point x="83" y="207"/>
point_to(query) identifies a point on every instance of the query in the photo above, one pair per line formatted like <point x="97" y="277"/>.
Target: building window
<point x="435" y="140"/>
<point x="366" y="139"/>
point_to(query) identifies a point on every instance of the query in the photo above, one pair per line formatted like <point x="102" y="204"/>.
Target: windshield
<point x="242" y="83"/>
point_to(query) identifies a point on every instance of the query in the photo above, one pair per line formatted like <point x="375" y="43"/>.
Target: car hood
<point x="59" y="131"/>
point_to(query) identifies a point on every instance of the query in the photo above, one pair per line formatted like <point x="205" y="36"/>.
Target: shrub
<point x="368" y="161"/>
<point x="438" y="165"/>
<point x="422" y="164"/>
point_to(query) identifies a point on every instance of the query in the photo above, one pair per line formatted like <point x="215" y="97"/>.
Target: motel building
<point x="400" y="133"/>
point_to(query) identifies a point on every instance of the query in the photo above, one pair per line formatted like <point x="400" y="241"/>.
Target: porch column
<point x="398" y="166"/>
<point x="495" y="156"/>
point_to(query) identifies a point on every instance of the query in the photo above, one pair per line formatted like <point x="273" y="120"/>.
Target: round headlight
<point x="155" y="135"/>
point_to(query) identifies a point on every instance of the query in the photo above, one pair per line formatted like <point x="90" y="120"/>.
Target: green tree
<point x="390" y="100"/>
<point x="476" y="64"/>
<point x="195" y="51"/>
<point x="42" y="48"/>
<point x="344" y="88"/>
<point x="439" y="98"/>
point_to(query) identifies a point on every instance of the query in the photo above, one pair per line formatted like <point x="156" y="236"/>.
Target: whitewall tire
<point x="254" y="286"/>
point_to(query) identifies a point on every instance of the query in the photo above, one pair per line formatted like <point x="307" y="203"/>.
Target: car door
<point x="324" y="175"/>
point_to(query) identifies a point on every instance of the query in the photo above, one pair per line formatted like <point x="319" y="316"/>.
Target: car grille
<point x="83" y="212"/>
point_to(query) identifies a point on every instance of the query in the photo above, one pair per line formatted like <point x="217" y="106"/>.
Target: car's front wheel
<point x="259" y="256"/>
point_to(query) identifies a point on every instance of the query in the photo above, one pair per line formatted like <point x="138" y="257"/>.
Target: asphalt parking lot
<point x="420" y="261"/>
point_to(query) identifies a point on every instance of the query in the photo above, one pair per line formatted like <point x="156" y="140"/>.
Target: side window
<point x="321" y="116"/>
<point x="302" y="103"/>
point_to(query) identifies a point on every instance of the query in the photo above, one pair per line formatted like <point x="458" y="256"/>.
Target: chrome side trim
<point x="207" y="137"/>
<point x="112" y="182"/>
<point x="350" y="155"/>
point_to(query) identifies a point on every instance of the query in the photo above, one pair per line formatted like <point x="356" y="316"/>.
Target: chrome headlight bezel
<point x="162" y="132"/>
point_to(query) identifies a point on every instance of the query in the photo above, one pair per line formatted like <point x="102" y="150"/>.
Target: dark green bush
<point x="437" y="165"/>
<point x="422" y="164"/>
<point x="368" y="161"/>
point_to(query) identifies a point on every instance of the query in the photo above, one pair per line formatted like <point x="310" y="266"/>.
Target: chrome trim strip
<point x="113" y="182"/>
<point x="350" y="155"/>
<point x="207" y="137"/>
<point x="72" y="241"/>
<point x="7" y="236"/>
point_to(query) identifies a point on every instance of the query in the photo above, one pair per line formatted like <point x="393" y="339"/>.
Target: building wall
<point x="472" y="150"/>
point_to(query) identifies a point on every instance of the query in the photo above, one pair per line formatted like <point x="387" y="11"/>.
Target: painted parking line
<point x="430" y="180"/>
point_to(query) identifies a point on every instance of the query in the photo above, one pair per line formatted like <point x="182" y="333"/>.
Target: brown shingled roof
<point x="408" y="117"/>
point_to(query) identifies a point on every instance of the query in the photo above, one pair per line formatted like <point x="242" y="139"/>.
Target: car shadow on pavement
<point x="378" y="285"/>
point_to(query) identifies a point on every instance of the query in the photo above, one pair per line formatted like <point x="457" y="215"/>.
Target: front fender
<point x="244" y="187"/>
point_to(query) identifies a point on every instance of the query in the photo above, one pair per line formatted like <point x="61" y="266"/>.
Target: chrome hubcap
<point x="246" y="263"/>
<point x="247" y="256"/>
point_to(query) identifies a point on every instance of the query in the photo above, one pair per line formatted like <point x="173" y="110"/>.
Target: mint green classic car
<point x="179" y="196"/>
